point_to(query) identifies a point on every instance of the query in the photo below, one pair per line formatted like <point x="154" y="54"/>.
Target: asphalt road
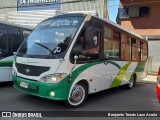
<point x="141" y="98"/>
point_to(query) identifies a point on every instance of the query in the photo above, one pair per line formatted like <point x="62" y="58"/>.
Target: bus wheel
<point x="78" y="96"/>
<point x="131" y="82"/>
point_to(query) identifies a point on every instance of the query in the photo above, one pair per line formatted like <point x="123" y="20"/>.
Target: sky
<point x="113" y="9"/>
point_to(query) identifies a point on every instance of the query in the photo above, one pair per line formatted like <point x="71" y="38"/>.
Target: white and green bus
<point x="11" y="37"/>
<point x="51" y="64"/>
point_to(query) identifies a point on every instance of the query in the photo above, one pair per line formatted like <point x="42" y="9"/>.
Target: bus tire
<point x="132" y="82"/>
<point x="78" y="96"/>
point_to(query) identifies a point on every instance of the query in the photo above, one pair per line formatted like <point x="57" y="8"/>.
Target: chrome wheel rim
<point x="77" y="95"/>
<point x="131" y="82"/>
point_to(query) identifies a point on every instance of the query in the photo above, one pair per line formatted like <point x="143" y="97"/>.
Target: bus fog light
<point x="52" y="94"/>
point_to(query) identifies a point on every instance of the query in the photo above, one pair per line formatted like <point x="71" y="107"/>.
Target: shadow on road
<point x="58" y="105"/>
<point x="6" y="84"/>
<point x="111" y="99"/>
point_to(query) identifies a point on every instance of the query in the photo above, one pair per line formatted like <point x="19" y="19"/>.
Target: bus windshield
<point x="51" y="38"/>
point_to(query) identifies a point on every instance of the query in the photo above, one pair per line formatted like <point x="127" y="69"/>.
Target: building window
<point x="143" y="11"/>
<point x="133" y="12"/>
<point x="111" y="43"/>
<point x="123" y="13"/>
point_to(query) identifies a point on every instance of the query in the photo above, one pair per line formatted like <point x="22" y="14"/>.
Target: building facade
<point x="31" y="12"/>
<point x="141" y="16"/>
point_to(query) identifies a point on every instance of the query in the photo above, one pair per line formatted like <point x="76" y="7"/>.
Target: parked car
<point x="158" y="85"/>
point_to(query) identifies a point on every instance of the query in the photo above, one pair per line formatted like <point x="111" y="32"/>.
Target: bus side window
<point x="15" y="39"/>
<point x="111" y="43"/>
<point x="3" y="39"/>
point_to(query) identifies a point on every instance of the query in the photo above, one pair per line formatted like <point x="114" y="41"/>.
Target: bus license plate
<point x="24" y="84"/>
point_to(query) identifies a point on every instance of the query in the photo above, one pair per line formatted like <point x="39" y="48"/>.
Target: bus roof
<point x="104" y="20"/>
<point x="17" y="25"/>
<point x="123" y="28"/>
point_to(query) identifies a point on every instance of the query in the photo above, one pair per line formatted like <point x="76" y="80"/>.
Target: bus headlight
<point x="55" y="78"/>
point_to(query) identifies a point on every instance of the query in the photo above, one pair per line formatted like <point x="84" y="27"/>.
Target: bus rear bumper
<point x="57" y="91"/>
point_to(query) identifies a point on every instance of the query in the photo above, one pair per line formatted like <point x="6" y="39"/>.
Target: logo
<point x="26" y="62"/>
<point x="6" y="114"/>
<point x="27" y="70"/>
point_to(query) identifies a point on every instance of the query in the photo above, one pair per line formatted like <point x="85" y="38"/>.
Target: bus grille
<point x="31" y="70"/>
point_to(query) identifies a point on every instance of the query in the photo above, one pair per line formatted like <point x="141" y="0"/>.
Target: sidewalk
<point x="150" y="78"/>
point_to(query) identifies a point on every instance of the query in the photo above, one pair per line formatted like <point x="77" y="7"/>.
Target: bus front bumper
<point x="58" y="91"/>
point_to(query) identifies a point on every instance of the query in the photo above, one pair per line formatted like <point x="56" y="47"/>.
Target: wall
<point x="143" y="25"/>
<point x="7" y="3"/>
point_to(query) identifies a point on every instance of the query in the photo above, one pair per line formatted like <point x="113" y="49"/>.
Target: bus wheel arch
<point x="135" y="76"/>
<point x="78" y="94"/>
<point x="132" y="81"/>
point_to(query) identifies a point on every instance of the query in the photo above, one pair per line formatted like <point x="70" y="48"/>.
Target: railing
<point x="149" y="70"/>
<point x="123" y="13"/>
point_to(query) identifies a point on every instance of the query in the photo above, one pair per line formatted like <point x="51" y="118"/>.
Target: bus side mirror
<point x="75" y="59"/>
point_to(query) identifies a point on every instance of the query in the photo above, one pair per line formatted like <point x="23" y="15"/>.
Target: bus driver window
<point x="87" y="44"/>
<point x="81" y="43"/>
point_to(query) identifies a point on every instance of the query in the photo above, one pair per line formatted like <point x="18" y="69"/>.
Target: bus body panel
<point x="6" y="68"/>
<point x="94" y="73"/>
<point x="101" y="77"/>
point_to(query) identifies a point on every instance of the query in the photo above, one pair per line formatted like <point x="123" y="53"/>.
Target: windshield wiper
<point x="45" y="47"/>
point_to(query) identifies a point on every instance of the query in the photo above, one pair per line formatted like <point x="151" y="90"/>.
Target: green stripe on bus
<point x="6" y="63"/>
<point x="121" y="74"/>
<point x="79" y="70"/>
<point x="139" y="69"/>
<point x="115" y="64"/>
